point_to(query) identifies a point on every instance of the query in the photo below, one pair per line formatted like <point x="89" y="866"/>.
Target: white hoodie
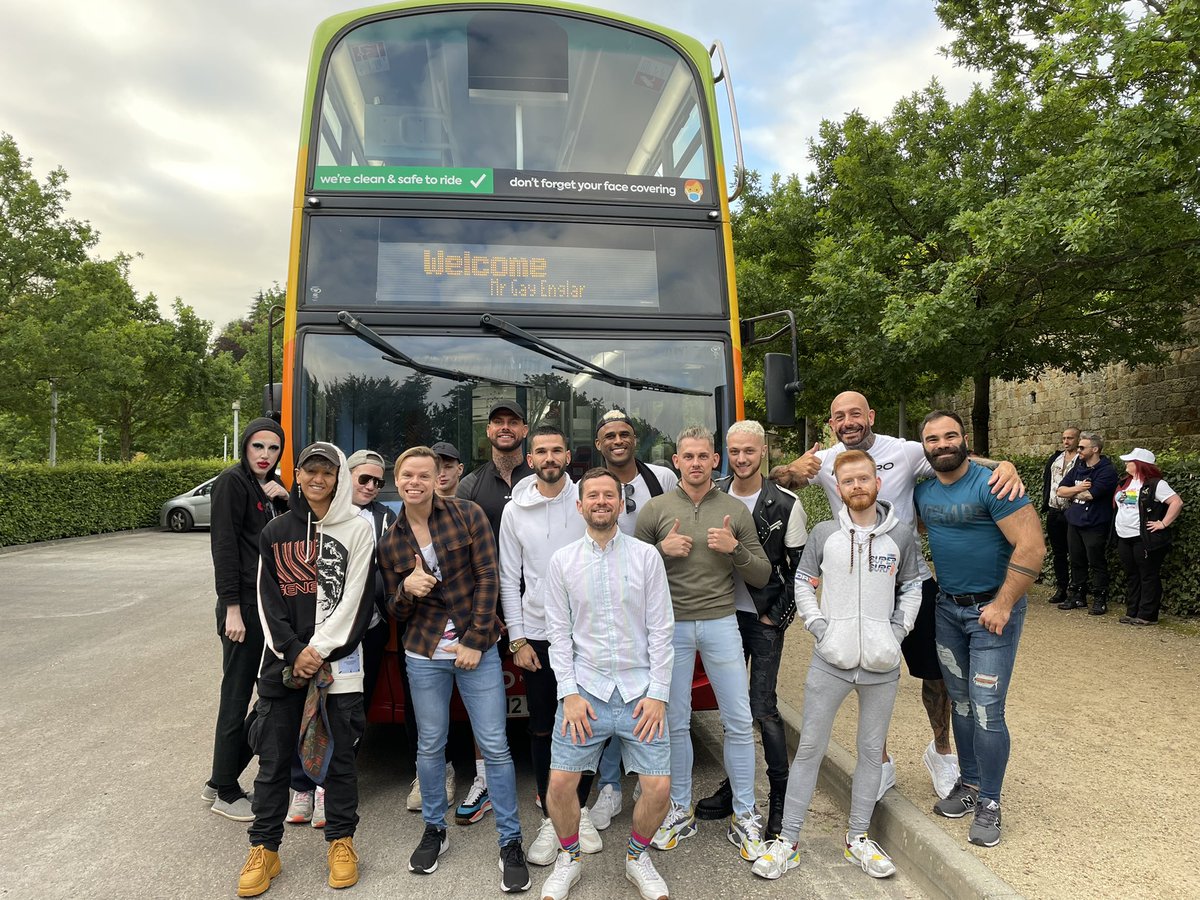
<point x="531" y="529"/>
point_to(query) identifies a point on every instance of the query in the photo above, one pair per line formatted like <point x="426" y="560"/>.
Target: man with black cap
<point x="450" y="468"/>
<point x="491" y="484"/>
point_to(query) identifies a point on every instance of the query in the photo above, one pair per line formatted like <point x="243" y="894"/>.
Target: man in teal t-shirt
<point x="987" y="551"/>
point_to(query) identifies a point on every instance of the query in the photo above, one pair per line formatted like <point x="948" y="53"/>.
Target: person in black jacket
<point x="763" y="613"/>
<point x="1146" y="507"/>
<point x="1057" y="466"/>
<point x="1089" y="487"/>
<point x="245" y="497"/>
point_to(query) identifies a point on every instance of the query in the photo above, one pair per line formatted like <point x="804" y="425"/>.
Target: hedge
<point x="42" y="503"/>
<point x="1181" y="572"/>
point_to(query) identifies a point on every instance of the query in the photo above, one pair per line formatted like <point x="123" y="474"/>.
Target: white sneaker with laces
<point x="318" y="816"/>
<point x="645" y="878"/>
<point x="589" y="838"/>
<point x="414" y="796"/>
<point x="779" y="857"/>
<point x="606" y="807"/>
<point x="943" y="770"/>
<point x="545" y="846"/>
<point x="300" y="810"/>
<point x="868" y="854"/>
<point x="745" y="833"/>
<point x="564" y="877"/>
<point x="680" y="823"/>
<point x="887" y="777"/>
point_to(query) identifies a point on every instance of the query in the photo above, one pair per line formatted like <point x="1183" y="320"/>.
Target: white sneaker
<point x="943" y="769"/>
<point x="680" y="823"/>
<point x="564" y="877"/>
<point x="645" y="878"/>
<point x="887" y="778"/>
<point x="779" y="857"/>
<point x="318" y="816"/>
<point x="589" y="838"/>
<point x="745" y="833"/>
<point x="637" y="791"/>
<point x="449" y="784"/>
<point x="606" y="807"/>
<point x="414" y="796"/>
<point x="868" y="854"/>
<point x="300" y="810"/>
<point x="545" y="846"/>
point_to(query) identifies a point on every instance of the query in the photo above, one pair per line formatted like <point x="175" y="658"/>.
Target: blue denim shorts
<point x="614" y="718"/>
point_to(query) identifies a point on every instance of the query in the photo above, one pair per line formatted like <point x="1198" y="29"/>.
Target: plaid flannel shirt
<point x="470" y="585"/>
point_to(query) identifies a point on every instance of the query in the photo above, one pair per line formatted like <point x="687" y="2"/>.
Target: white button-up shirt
<point x="609" y="619"/>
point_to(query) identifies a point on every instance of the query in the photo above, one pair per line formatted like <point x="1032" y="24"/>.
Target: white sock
<point x="481" y="772"/>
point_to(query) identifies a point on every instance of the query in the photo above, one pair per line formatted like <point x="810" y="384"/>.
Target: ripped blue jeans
<point x="977" y="666"/>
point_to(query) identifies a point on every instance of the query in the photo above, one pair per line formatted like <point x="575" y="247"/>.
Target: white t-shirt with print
<point x="1127" y="506"/>
<point x="449" y="639"/>
<point x="627" y="521"/>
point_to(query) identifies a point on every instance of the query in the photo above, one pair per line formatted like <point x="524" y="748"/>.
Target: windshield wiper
<point x="392" y="355"/>
<point x="574" y="364"/>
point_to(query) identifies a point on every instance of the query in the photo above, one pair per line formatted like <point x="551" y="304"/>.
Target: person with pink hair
<point x="1146" y="506"/>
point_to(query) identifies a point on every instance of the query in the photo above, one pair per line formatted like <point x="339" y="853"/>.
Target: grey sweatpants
<point x="823" y="696"/>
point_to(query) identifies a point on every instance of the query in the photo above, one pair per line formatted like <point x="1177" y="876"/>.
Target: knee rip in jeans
<point x="947" y="659"/>
<point x="985" y="681"/>
<point x="989" y="716"/>
<point x="962" y="708"/>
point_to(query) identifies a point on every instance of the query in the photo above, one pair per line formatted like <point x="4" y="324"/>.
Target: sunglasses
<point x="365" y="479"/>
<point x="630" y="503"/>
<point x="259" y="446"/>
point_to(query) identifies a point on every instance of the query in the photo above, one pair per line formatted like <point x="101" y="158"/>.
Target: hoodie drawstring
<point x="854" y="549"/>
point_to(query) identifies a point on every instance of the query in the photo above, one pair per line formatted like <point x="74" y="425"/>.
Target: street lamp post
<point x="237" y="408"/>
<point x="100" y="445"/>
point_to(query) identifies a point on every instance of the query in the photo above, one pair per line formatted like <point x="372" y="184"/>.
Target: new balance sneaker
<point x="718" y="805"/>
<point x="943" y="770"/>
<point x="414" y="796"/>
<point x="961" y="801"/>
<point x="545" y="846"/>
<point x="514" y="874"/>
<point x="475" y="805"/>
<point x="300" y="810"/>
<point x="780" y="857"/>
<point x="343" y="863"/>
<point x="589" y="838"/>
<point x="261" y="866"/>
<point x="434" y="842"/>
<point x="887" y="777"/>
<point x="985" y="830"/>
<point x="680" y="823"/>
<point x="564" y="877"/>
<point x="606" y="807"/>
<point x="318" y="815"/>
<point x="645" y="878"/>
<point x="868" y="854"/>
<point x="449" y="783"/>
<point x="239" y="810"/>
<point x="745" y="833"/>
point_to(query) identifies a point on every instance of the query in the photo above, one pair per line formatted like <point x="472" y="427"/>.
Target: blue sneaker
<point x="474" y="805"/>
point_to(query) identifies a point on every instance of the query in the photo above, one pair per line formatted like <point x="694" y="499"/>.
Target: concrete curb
<point x="939" y="864"/>
<point x="34" y="545"/>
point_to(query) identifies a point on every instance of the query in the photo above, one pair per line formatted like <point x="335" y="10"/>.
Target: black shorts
<point x="920" y="647"/>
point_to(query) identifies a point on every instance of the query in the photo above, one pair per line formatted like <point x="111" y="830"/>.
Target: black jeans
<point x="1089" y="565"/>
<point x="1056" y="531"/>
<point x="763" y="647"/>
<point x="1143" y="581"/>
<point x="239" y="671"/>
<point x="274" y="737"/>
<point x="541" y="695"/>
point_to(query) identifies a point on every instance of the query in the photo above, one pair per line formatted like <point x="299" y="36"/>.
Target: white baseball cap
<point x="1137" y="454"/>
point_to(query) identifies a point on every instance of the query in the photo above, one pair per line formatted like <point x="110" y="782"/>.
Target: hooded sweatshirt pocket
<point x="839" y="645"/>
<point x="881" y="650"/>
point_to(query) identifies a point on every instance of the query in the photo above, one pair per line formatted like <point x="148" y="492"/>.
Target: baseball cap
<point x="319" y="449"/>
<point x="1137" y="454"/>
<point x="365" y="457"/>
<point x="511" y="406"/>
<point x="441" y="448"/>
<point x="614" y="415"/>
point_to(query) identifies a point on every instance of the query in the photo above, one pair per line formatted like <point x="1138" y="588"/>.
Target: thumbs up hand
<point x="419" y="582"/>
<point x="722" y="539"/>
<point x="676" y="544"/>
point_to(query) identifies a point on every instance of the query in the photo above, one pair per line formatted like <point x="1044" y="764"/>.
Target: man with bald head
<point x="900" y="464"/>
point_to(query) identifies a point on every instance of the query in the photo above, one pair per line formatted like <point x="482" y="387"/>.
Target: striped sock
<point x="637" y="845"/>
<point x="571" y="845"/>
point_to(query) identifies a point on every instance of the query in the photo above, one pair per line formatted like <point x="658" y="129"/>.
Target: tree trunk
<point x="981" y="413"/>
<point x="125" y="426"/>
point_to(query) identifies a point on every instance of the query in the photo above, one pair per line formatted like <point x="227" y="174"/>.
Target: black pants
<point x="275" y="736"/>
<point x="239" y="670"/>
<point x="763" y="648"/>
<point x="541" y="695"/>
<point x="1056" y="531"/>
<point x="1143" y="581"/>
<point x="1089" y="565"/>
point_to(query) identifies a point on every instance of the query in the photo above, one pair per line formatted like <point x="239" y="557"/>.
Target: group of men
<point x="605" y="591"/>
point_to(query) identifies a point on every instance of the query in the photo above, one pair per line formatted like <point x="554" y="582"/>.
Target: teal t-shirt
<point x="969" y="550"/>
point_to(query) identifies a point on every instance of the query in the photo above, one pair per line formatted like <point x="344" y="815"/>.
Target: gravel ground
<point x="1103" y="778"/>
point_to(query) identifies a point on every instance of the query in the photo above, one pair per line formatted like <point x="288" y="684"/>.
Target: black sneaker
<point x="985" y="830"/>
<point x="960" y="802"/>
<point x="775" y="810"/>
<point x="1099" y="608"/>
<point x="1058" y="596"/>
<point x="434" y="843"/>
<point x="514" y="873"/>
<point x="1073" y="602"/>
<point x="719" y="805"/>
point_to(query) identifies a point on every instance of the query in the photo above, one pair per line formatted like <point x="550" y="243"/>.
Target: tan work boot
<point x="261" y="866"/>
<point x="343" y="863"/>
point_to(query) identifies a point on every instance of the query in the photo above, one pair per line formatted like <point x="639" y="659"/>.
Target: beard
<point x="859" y="502"/>
<point x="948" y="460"/>
<point x="550" y="475"/>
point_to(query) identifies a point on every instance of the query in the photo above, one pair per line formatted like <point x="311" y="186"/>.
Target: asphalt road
<point x="107" y="725"/>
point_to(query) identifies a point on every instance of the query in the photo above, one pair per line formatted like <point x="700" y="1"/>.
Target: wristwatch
<point x="514" y="646"/>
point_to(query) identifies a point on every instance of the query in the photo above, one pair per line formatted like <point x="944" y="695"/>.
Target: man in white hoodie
<point x="538" y="520"/>
<point x="865" y="561"/>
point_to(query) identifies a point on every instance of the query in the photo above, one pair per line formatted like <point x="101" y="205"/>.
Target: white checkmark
<point x="478" y="181"/>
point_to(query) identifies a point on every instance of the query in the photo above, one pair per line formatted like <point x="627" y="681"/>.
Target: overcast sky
<point x="178" y="121"/>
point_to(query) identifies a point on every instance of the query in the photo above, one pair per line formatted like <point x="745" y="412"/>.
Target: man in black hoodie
<point x="245" y="497"/>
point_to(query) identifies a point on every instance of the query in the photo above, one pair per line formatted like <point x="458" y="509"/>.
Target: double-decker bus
<point x="507" y="201"/>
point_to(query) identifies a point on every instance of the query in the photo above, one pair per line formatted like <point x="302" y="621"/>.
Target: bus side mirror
<point x="780" y="387"/>
<point x="272" y="398"/>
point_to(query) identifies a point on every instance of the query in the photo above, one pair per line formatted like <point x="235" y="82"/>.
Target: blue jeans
<point x="977" y="666"/>
<point x="720" y="645"/>
<point x="482" y="692"/>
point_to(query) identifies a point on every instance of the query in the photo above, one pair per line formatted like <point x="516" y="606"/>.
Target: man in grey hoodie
<point x="864" y="560"/>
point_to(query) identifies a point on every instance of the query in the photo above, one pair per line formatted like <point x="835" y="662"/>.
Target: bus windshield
<point x="540" y="104"/>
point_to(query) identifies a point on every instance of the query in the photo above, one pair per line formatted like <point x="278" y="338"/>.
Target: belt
<point x="971" y="599"/>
